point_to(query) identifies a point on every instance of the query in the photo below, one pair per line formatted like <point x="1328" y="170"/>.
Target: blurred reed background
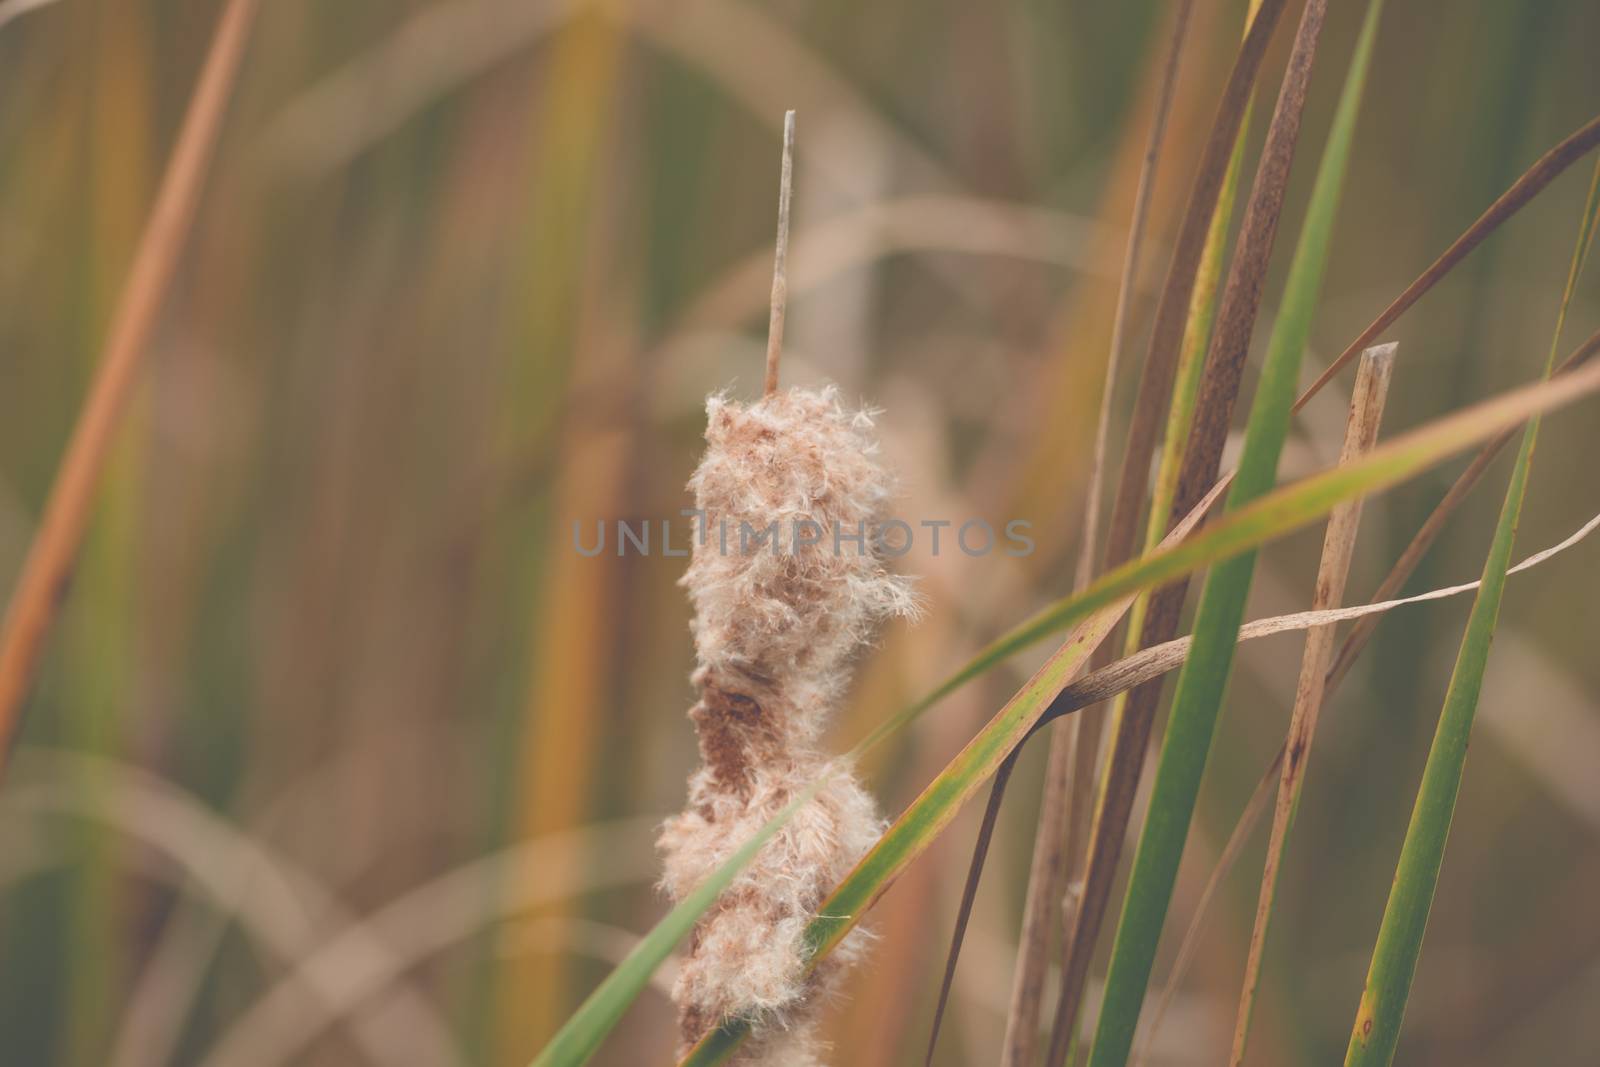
<point x="463" y="274"/>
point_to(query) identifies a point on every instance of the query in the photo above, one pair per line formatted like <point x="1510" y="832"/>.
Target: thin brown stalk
<point x="1249" y="819"/>
<point x="46" y="573"/>
<point x="1158" y="660"/>
<point x="969" y="893"/>
<point x="1354" y="643"/>
<point x="1338" y="546"/>
<point x="1046" y="875"/>
<point x="1241" y="301"/>
<point x="1073" y="745"/>
<point x="1429" y="531"/>
<point x="1531" y="184"/>
<point x="1130" y="272"/>
<point x="1155" y="383"/>
<point x="780" y="260"/>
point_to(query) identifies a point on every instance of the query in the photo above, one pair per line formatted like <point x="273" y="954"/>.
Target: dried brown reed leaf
<point x="47" y="571"/>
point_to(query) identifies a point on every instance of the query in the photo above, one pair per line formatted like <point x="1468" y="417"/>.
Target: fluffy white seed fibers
<point x="776" y="623"/>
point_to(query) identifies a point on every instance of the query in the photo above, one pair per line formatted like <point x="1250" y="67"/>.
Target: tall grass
<point x="322" y="733"/>
<point x="1376" y="1032"/>
<point x="1204" y="679"/>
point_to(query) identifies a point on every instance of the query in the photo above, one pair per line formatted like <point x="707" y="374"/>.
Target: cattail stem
<point x="780" y="262"/>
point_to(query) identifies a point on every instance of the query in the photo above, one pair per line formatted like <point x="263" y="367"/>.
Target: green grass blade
<point x="1204" y="677"/>
<point x="1405" y="918"/>
<point x="582" y="1034"/>
<point x="1271" y="516"/>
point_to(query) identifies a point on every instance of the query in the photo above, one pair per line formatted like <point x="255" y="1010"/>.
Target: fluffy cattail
<point x="777" y="620"/>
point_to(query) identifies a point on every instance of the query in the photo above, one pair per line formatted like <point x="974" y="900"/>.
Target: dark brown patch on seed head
<point x="735" y="733"/>
<point x="692" y="1024"/>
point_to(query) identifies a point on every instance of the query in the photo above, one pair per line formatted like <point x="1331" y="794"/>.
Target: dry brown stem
<point x="780" y="260"/>
<point x="47" y="571"/>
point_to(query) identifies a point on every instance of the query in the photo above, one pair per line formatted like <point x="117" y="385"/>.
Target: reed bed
<point x="385" y="385"/>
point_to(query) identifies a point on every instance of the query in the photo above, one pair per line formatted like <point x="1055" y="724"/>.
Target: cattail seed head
<point x="792" y="617"/>
<point x="775" y="627"/>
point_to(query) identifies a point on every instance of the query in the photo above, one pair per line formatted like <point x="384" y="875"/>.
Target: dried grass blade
<point x="1155" y="383"/>
<point x="48" y="568"/>
<point x="1150" y="663"/>
<point x="1338" y="547"/>
<point x="1533" y="182"/>
<point x="1073" y="745"/>
<point x="1241" y="301"/>
<point x="1429" y="531"/>
<point x="1089" y="788"/>
<point x="1203" y="679"/>
<point x="969" y="893"/>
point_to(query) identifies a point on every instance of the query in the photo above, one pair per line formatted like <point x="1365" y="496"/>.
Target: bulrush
<point x="775" y="627"/>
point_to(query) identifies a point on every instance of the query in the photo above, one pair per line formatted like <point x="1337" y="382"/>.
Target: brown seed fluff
<point x="775" y="627"/>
